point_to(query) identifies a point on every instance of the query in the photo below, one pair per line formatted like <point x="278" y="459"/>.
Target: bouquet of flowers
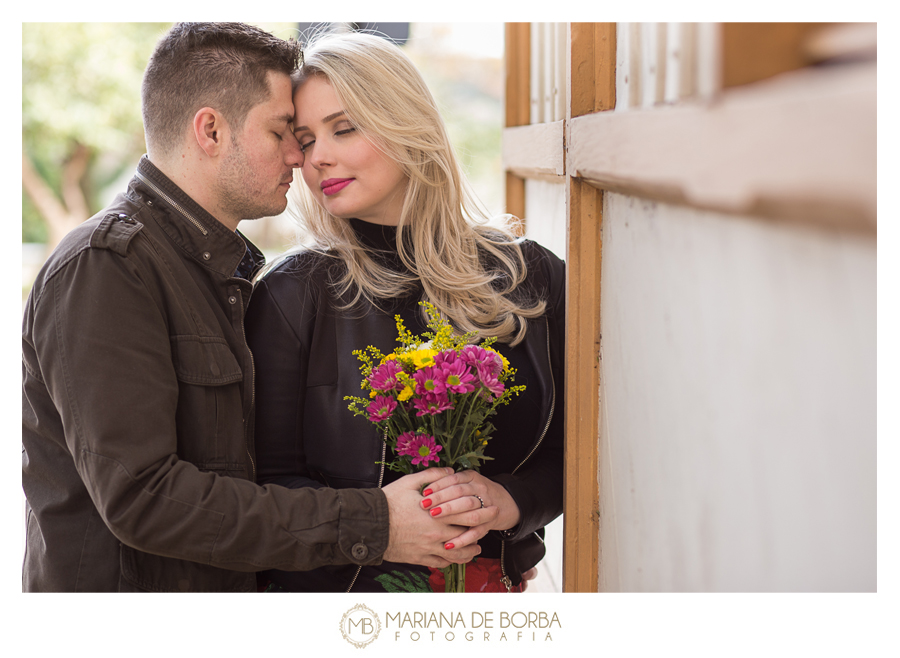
<point x="432" y="398"/>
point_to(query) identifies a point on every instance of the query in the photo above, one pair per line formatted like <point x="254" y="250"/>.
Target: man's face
<point x="257" y="169"/>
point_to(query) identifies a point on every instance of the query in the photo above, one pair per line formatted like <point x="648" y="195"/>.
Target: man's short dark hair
<point x="219" y="65"/>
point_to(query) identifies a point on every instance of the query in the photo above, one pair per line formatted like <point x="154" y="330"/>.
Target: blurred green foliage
<point x="81" y="85"/>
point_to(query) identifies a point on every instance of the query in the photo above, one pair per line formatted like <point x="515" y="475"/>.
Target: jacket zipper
<point x="172" y="203"/>
<point x="506" y="580"/>
<point x="380" y="481"/>
<point x="204" y="231"/>
<point x="168" y="199"/>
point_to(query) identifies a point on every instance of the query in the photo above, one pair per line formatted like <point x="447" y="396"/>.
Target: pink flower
<point x="429" y="380"/>
<point x="403" y="443"/>
<point x="384" y="377"/>
<point x="475" y="356"/>
<point x="489" y="380"/>
<point x="432" y="403"/>
<point x="421" y="447"/>
<point x="445" y="358"/>
<point x="457" y="377"/>
<point x="381" y="408"/>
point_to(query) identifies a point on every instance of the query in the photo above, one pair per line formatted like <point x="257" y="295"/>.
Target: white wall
<point x="737" y="439"/>
<point x="545" y="217"/>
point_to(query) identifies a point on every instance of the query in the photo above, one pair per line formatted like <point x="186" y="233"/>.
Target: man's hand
<point x="418" y="538"/>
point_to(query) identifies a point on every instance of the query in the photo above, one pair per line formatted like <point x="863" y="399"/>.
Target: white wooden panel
<point x="687" y="61"/>
<point x="545" y="214"/>
<point x="681" y="62"/>
<point x="548" y="30"/>
<point x="738" y="441"/>
<point x="709" y="68"/>
<point x="535" y="150"/>
<point x="635" y="70"/>
<point x="623" y="63"/>
<point x="649" y="69"/>
<point x="660" y="63"/>
<point x="559" y="77"/>
<point x="674" y="35"/>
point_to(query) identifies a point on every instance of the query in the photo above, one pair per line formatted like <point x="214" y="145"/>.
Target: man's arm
<point x="105" y="358"/>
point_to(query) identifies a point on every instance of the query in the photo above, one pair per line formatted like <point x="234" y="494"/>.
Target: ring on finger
<point x="480" y="501"/>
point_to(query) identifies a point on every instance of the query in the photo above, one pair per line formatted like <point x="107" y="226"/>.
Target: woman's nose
<point x="320" y="155"/>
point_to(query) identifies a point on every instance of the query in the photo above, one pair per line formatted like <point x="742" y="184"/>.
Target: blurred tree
<point x="81" y="117"/>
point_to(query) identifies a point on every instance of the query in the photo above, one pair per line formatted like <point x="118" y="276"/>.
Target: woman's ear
<point x="209" y="130"/>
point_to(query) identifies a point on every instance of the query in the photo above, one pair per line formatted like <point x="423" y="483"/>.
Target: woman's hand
<point x="418" y="538"/>
<point x="462" y="499"/>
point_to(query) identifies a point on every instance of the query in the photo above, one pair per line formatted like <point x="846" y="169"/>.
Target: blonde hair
<point x="467" y="269"/>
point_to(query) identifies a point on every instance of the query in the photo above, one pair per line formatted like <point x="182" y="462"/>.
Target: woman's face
<point x="347" y="175"/>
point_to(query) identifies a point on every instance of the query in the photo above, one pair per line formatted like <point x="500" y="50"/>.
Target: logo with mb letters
<point x="360" y="626"/>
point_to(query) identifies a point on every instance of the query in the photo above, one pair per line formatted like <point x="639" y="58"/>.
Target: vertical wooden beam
<point x="518" y="105"/>
<point x="591" y="85"/>
<point x="582" y="498"/>
<point x="515" y="201"/>
<point x="518" y="78"/>
<point x="592" y="79"/>
<point x="755" y="51"/>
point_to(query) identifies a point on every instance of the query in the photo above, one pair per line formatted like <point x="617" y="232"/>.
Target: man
<point x="138" y="391"/>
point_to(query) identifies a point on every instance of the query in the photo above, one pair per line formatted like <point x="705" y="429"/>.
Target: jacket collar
<point x="198" y="232"/>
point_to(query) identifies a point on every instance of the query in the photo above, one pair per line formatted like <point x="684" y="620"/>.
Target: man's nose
<point x="294" y="156"/>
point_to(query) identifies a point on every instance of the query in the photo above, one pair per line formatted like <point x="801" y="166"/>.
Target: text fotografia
<point x="478" y="626"/>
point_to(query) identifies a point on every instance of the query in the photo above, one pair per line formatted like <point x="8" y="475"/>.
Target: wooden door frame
<point x="590" y="88"/>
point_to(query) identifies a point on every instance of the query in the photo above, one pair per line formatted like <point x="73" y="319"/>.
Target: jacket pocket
<point x="204" y="360"/>
<point x="209" y="417"/>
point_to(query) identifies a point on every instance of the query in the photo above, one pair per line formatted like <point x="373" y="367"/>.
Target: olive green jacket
<point x="137" y="416"/>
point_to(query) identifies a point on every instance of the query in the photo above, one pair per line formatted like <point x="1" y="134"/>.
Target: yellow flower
<point x="505" y="362"/>
<point x="422" y="358"/>
<point x="405" y="394"/>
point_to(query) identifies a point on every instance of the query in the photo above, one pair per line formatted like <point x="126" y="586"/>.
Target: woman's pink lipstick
<point x="335" y="185"/>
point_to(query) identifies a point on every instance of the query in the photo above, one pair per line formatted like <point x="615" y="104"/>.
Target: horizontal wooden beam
<point x="535" y="150"/>
<point x="801" y="146"/>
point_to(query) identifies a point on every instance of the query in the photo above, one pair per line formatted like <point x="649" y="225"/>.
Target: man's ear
<point x="210" y="130"/>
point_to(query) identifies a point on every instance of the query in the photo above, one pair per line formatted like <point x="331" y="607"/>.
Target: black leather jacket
<point x="306" y="436"/>
<point x="303" y="349"/>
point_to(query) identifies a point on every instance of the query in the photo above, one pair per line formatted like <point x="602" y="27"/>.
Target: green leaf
<point x="399" y="581"/>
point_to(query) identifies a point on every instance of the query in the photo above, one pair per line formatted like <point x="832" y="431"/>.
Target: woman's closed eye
<point x="338" y="133"/>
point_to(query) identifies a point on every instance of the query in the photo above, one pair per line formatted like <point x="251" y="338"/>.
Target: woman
<point x="393" y="223"/>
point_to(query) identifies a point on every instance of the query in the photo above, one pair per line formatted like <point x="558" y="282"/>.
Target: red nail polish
<point x="448" y="545"/>
<point x="426" y="503"/>
<point x="435" y="511"/>
<point x="427" y="492"/>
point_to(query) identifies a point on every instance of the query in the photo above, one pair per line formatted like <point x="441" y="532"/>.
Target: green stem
<point x="468" y="414"/>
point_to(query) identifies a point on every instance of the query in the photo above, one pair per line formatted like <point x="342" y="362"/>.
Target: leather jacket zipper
<point x="172" y="202"/>
<point x="380" y="481"/>
<point x="506" y="580"/>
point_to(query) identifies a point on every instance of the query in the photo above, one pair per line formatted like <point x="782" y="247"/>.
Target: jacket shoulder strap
<point x="115" y="232"/>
